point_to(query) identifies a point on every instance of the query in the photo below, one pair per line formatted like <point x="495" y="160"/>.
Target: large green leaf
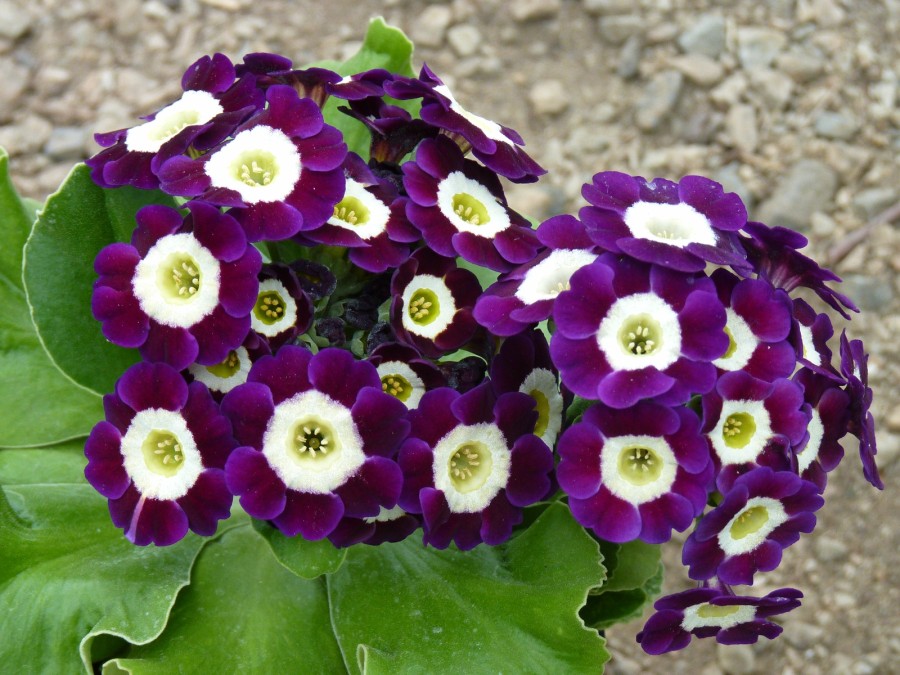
<point x="15" y="224"/>
<point x="67" y="575"/>
<point x="76" y="222"/>
<point x="401" y="608"/>
<point x="607" y="609"/>
<point x="635" y="578"/>
<point x="307" y="559"/>
<point x="242" y="613"/>
<point x="630" y="566"/>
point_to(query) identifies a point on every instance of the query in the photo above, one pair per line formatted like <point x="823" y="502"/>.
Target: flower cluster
<point x="316" y="343"/>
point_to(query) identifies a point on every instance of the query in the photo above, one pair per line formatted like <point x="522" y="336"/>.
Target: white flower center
<point x="471" y="465"/>
<point x="193" y="108"/>
<point x="742" y="431"/>
<point x="750" y="528"/>
<point x="637" y="469"/>
<point x="541" y="385"/>
<point x="706" y="615"/>
<point x="674" y="224"/>
<point x="160" y="454"/>
<point x="551" y="276"/>
<point x="816" y="433"/>
<point x="224" y="376"/>
<point x="275" y="310"/>
<point x="177" y="282"/>
<point x="741" y="343"/>
<point x="490" y="128"/>
<point x="428" y="306"/>
<point x="360" y="211"/>
<point x="470" y="206"/>
<point x="401" y="382"/>
<point x="261" y="164"/>
<point x="312" y="443"/>
<point x="640" y="331"/>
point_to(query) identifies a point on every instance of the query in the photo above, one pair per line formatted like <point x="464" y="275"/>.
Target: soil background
<point x="790" y="103"/>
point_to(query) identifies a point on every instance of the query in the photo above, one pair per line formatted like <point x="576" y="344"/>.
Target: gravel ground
<point x="791" y="103"/>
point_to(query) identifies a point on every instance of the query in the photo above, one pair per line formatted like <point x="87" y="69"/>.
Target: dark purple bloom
<point x="281" y="171"/>
<point x="282" y="309"/>
<point x="830" y="411"/>
<point x="272" y="69"/>
<point x="389" y="526"/>
<point x="680" y="225"/>
<point x="460" y="209"/>
<point x="712" y="612"/>
<point x="404" y="373"/>
<point x="855" y="368"/>
<point x="471" y="464"/>
<point x="810" y="334"/>
<point x="182" y="292"/>
<point x="394" y="132"/>
<point x="317" y="435"/>
<point x="209" y="110"/>
<point x="635" y="473"/>
<point x="764" y="512"/>
<point x="222" y="377"/>
<point x="498" y="147"/>
<point x="159" y="455"/>
<point x="628" y="331"/>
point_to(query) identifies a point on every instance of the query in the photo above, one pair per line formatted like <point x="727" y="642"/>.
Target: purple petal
<point x="152" y="385"/>
<point x="249" y="406"/>
<point x="174" y="346"/>
<point x="207" y="502"/>
<point x="377" y="484"/>
<point x="313" y="516"/>
<point x="105" y="470"/>
<point x="531" y="462"/>
<point x="249" y="476"/>
<point x="381" y="421"/>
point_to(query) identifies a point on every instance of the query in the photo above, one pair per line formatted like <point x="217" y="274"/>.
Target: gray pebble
<point x="758" y="47"/>
<point x="14" y="20"/>
<point x="775" y="88"/>
<point x="65" y="143"/>
<point x="532" y="10"/>
<point x="699" y="69"/>
<point x="830" y="550"/>
<point x="873" y="201"/>
<point x="28" y="136"/>
<point x="730" y="178"/>
<point x="741" y="125"/>
<point x="548" y="97"/>
<point x="736" y="659"/>
<point x="430" y="27"/>
<point x="800" y="67"/>
<point x="464" y="40"/>
<point x="658" y="99"/>
<point x="608" y="6"/>
<point x="808" y="187"/>
<point x="803" y="635"/>
<point x="838" y="125"/>
<point x="630" y="57"/>
<point x="706" y="36"/>
<point x="869" y="292"/>
<point x="617" y="29"/>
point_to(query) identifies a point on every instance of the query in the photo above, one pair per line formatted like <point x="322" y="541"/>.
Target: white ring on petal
<point x="458" y="183"/>
<point x="192" y="109"/>
<point x="445" y="299"/>
<point x="223" y="384"/>
<point x="810" y="453"/>
<point x="327" y="472"/>
<point x="692" y="619"/>
<point x="490" y="128"/>
<point x="488" y="435"/>
<point x="668" y="347"/>
<point x="776" y="516"/>
<point x="551" y="276"/>
<point x="673" y="224"/>
<point x="379" y="212"/>
<point x="388" y="368"/>
<point x="176" y="312"/>
<point x="386" y="515"/>
<point x="755" y="446"/>
<point x="224" y="167"/>
<point x="148" y="482"/>
<point x="624" y="489"/>
<point x="544" y="381"/>
<point x="288" y="319"/>
<point x="810" y="353"/>
<point x="744" y="340"/>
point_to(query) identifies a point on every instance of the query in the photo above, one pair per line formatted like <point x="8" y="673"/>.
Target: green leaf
<point x="76" y="222"/>
<point x="242" y="613"/>
<point x="15" y="223"/>
<point x="67" y="575"/>
<point x="635" y="563"/>
<point x="306" y="559"/>
<point x="607" y="609"/>
<point x="401" y="608"/>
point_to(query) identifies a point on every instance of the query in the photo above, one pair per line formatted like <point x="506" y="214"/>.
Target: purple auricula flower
<point x="394" y="132"/>
<point x="775" y="256"/>
<point x="222" y="377"/>
<point x="855" y="369"/>
<point x="459" y="207"/>
<point x="404" y="373"/>
<point x="758" y="327"/>
<point x="183" y="290"/>
<point x="496" y="146"/>
<point x="829" y="417"/>
<point x="281" y="170"/>
<point x="212" y="105"/>
<point x="635" y="473"/>
<point x="764" y="512"/>
<point x="810" y="334"/>
<point x="471" y="464"/>
<point x="626" y="331"/>
<point x="680" y="225"/>
<point x="432" y="303"/>
<point x="714" y="612"/>
<point x="525" y="296"/>
<point x="316" y="437"/>
<point x="370" y="220"/>
<point x="282" y="309"/>
<point x="750" y="422"/>
<point x="158" y="456"/>
<point x="523" y="364"/>
<point x="389" y="526"/>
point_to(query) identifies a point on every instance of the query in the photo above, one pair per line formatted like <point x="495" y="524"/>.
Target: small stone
<point x="741" y="126"/>
<point x="12" y="85"/>
<point x="608" y="6"/>
<point x="758" y="47"/>
<point x="829" y="550"/>
<point x="736" y="659"/>
<point x="869" y="292"/>
<point x="533" y="10"/>
<point x="699" y="69"/>
<point x="826" y="13"/>
<point x="803" y="635"/>
<point x="464" y="40"/>
<point x="731" y="90"/>
<point x="800" y="67"/>
<point x="658" y="99"/>
<point x="873" y="201"/>
<point x="730" y="178"/>
<point x="630" y="57"/>
<point x="823" y="225"/>
<point x="26" y="137"/>
<point x="535" y="201"/>
<point x="838" y="125"/>
<point x="431" y="26"/>
<point x="549" y="97"/>
<point x="15" y="21"/>
<point x="808" y="187"/>
<point x="774" y="87"/>
<point x="706" y="36"/>
<point x="617" y="29"/>
<point x="65" y="143"/>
